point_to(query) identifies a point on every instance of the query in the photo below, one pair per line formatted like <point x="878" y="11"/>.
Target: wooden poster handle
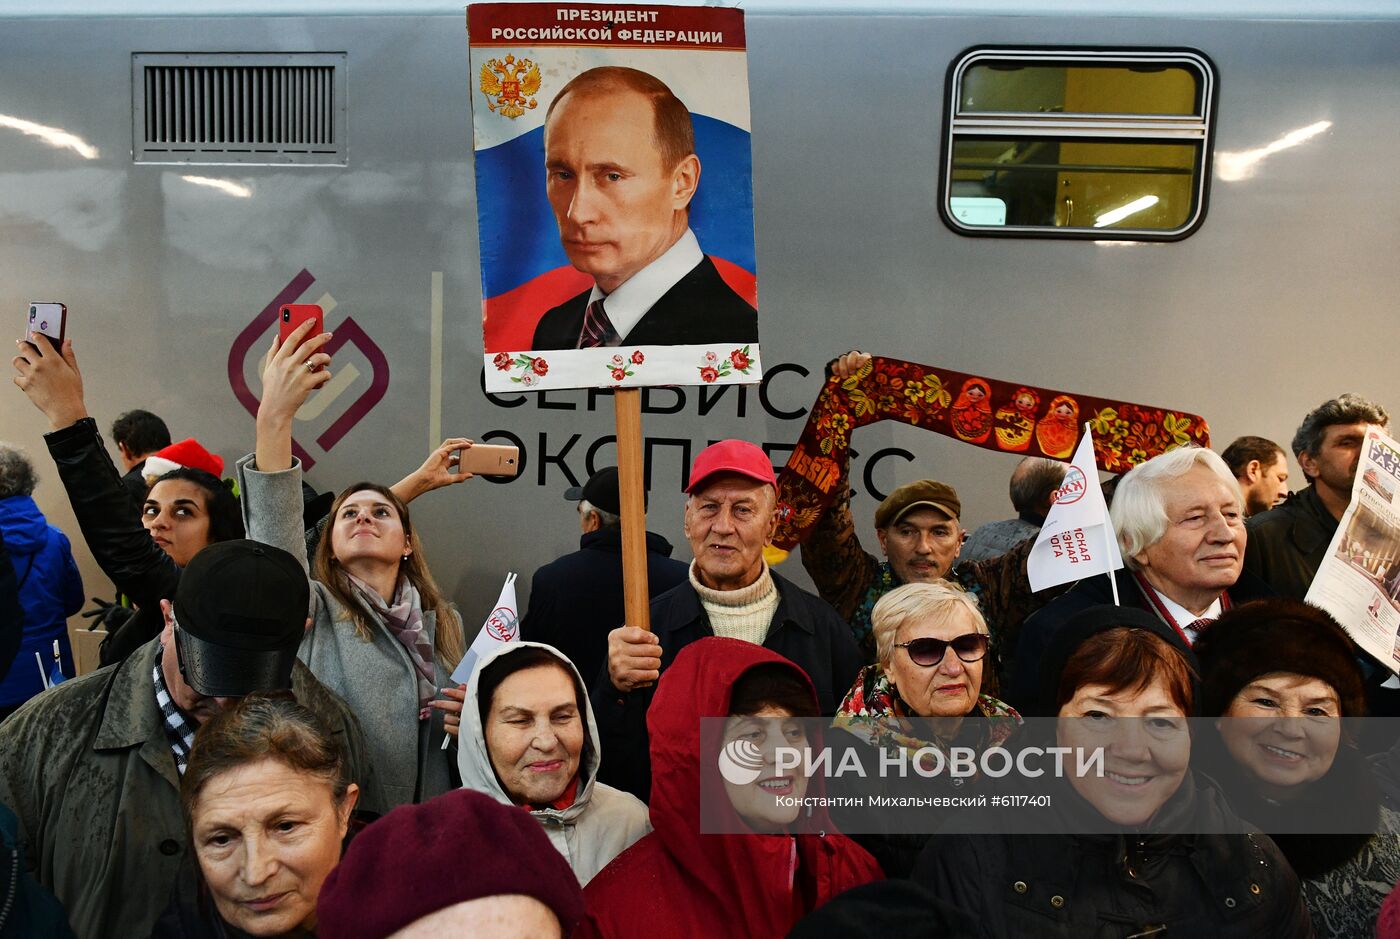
<point x="627" y="403"/>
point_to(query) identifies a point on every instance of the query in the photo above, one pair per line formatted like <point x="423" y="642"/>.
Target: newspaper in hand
<point x="1358" y="581"/>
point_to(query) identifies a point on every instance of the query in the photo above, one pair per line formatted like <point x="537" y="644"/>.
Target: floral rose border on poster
<point x="522" y="55"/>
<point x="986" y="412"/>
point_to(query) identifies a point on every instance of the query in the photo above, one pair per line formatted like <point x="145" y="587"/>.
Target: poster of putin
<point x="614" y="195"/>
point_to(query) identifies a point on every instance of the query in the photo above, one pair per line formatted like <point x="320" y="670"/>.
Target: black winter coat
<point x="1112" y="886"/>
<point x="114" y="534"/>
<point x="576" y="600"/>
<point x="1022" y="688"/>
<point x="1287" y="543"/>
<point x="887" y="833"/>
<point x="805" y="629"/>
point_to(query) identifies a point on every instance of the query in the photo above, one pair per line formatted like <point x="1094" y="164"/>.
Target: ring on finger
<point x="309" y="366"/>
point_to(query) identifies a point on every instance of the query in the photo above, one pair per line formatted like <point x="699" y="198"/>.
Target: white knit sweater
<point x="740" y="614"/>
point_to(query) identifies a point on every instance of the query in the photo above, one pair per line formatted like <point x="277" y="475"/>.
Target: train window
<point x="1078" y="143"/>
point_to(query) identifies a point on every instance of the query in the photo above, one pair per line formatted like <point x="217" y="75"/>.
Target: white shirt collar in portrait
<point x="1184" y="617"/>
<point x="627" y="304"/>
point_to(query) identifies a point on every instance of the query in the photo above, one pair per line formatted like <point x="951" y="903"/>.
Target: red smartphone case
<point x="292" y="315"/>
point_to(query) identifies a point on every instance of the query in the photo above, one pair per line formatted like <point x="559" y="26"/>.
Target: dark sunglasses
<point x="928" y="652"/>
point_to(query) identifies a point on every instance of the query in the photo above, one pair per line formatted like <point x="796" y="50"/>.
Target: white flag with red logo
<point x="502" y="626"/>
<point x="1077" y="539"/>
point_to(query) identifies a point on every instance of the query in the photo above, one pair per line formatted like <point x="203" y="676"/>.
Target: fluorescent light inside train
<point x="227" y="186"/>
<point x="1235" y="165"/>
<point x="1123" y="211"/>
<point x="53" y="136"/>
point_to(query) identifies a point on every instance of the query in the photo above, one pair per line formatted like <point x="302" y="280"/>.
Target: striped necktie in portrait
<point x="1196" y="628"/>
<point x="597" y="328"/>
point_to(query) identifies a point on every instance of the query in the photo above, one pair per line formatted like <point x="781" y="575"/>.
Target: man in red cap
<point x="730" y="516"/>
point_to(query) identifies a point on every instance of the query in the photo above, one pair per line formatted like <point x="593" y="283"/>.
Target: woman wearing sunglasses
<point x="924" y="690"/>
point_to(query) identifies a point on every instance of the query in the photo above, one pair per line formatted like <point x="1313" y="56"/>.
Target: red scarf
<point x="996" y="415"/>
<point x="1160" y="608"/>
<point x="566" y="798"/>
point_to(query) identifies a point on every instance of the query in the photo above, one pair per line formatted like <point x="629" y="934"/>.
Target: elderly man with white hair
<point x="1180" y="523"/>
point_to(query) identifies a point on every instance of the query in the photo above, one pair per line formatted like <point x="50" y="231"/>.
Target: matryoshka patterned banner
<point x="997" y="415"/>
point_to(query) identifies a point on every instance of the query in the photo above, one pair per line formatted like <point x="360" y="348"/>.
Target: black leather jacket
<point x="114" y="534"/>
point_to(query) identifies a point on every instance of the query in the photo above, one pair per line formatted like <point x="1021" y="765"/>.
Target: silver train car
<point x="931" y="182"/>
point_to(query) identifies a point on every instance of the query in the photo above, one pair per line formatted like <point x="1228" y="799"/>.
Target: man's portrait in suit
<point x="621" y="172"/>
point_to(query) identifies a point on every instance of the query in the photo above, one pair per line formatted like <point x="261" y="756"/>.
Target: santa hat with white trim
<point x="187" y="453"/>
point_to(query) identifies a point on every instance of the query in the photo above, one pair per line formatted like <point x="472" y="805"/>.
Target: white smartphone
<point x="49" y="318"/>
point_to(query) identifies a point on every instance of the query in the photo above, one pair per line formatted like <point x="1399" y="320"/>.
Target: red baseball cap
<point x="732" y="456"/>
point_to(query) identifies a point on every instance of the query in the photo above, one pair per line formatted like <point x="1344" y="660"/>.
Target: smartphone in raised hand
<point x="292" y="315"/>
<point x="47" y="318"/>
<point x="489" y="459"/>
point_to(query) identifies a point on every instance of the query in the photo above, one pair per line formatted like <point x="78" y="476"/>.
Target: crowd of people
<point x="275" y="744"/>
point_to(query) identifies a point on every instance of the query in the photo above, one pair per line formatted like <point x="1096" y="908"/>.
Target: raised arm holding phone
<point x="182" y="512"/>
<point x="382" y="634"/>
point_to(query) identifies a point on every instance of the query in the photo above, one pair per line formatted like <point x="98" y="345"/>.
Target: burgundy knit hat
<point x="419" y="859"/>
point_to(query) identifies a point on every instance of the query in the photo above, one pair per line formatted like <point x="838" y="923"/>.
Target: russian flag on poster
<point x="1077" y="539"/>
<point x="501" y="626"/>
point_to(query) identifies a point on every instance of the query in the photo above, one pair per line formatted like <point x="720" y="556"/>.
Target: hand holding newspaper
<point x="1358" y="581"/>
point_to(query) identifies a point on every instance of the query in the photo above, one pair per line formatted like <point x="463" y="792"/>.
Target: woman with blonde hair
<point x="926" y="689"/>
<point x="382" y="635"/>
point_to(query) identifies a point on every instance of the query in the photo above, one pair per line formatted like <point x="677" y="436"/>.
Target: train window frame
<point x="1196" y="129"/>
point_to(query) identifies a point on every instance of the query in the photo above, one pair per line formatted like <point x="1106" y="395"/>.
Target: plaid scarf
<point x="178" y="728"/>
<point x="874" y="712"/>
<point x="404" y="617"/>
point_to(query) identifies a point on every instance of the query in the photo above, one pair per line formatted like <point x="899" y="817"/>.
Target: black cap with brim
<point x="602" y="491"/>
<point x="240" y="615"/>
<point x="218" y="671"/>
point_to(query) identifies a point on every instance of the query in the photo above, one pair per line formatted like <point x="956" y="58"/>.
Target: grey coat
<point x="88" y="770"/>
<point x="603" y="821"/>
<point x="375" y="676"/>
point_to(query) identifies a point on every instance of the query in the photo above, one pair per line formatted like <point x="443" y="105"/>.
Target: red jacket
<point x="677" y="883"/>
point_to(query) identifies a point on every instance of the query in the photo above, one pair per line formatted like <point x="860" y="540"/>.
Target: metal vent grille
<point x="239" y="108"/>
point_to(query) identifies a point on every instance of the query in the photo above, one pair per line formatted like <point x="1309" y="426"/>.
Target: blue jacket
<point x="50" y="591"/>
<point x="26" y="909"/>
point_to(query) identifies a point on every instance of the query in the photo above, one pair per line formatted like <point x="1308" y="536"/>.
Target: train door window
<point x="1078" y="143"/>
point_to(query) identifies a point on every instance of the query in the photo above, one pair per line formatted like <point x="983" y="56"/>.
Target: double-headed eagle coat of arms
<point x="513" y="84"/>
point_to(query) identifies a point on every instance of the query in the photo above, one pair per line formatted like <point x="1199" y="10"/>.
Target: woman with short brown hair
<point x="1143" y="847"/>
<point x="267" y="800"/>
